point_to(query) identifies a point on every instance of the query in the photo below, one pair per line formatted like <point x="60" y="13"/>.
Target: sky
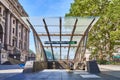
<point x="45" y="8"/>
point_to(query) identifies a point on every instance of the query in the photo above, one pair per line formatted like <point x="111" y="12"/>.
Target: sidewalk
<point x="9" y="71"/>
<point x="110" y="67"/>
<point x="113" y="70"/>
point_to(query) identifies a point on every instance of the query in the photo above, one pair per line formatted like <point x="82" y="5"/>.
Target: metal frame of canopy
<point x="78" y="28"/>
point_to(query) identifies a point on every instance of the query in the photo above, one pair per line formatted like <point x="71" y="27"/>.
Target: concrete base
<point x="92" y="67"/>
<point x="32" y="66"/>
<point x="28" y="67"/>
<point x="38" y="66"/>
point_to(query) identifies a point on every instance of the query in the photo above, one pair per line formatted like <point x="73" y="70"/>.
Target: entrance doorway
<point x="1" y="33"/>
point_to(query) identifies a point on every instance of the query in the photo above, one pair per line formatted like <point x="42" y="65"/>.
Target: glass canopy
<point x="63" y="29"/>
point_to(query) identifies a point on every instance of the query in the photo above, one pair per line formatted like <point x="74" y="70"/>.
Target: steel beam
<point x="60" y="35"/>
<point x="31" y="26"/>
<point x="62" y="46"/>
<point x="72" y="37"/>
<point x="85" y="33"/>
<point x="46" y="28"/>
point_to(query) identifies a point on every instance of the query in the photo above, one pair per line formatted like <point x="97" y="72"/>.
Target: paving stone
<point x="57" y="75"/>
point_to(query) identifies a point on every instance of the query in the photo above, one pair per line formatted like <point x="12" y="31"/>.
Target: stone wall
<point x="38" y="66"/>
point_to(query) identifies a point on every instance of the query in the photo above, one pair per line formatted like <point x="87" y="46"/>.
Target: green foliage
<point x="106" y="31"/>
<point x="102" y="61"/>
<point x="88" y="7"/>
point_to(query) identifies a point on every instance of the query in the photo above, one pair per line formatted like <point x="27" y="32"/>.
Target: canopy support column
<point x="60" y="35"/>
<point x="36" y="37"/>
<point x="46" y="28"/>
<point x="83" y="37"/>
<point x="72" y="37"/>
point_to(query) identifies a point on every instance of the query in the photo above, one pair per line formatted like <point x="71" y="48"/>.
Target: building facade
<point x="14" y="33"/>
<point x="31" y="56"/>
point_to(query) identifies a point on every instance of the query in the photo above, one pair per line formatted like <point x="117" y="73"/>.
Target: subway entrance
<point x="60" y="42"/>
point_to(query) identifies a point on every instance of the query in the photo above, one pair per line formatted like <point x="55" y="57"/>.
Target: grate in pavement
<point x="81" y="73"/>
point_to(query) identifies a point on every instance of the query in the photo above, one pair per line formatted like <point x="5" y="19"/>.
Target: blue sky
<point x="45" y="8"/>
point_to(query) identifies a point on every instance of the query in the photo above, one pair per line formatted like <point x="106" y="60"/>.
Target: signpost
<point x="60" y="42"/>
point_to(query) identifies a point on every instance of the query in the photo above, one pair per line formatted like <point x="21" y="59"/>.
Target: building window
<point x="13" y="21"/>
<point x="0" y="10"/>
<point x="21" y="32"/>
<point x="13" y="30"/>
<point x="20" y="45"/>
<point x="13" y="42"/>
<point x="25" y="36"/>
<point x="4" y="14"/>
<point x="3" y="56"/>
<point x="25" y="47"/>
<point x="18" y="7"/>
<point x="23" y="13"/>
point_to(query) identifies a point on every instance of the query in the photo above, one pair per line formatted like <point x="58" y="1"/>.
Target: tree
<point x="106" y="31"/>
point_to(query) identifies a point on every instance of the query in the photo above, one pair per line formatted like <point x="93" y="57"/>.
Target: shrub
<point x="102" y="61"/>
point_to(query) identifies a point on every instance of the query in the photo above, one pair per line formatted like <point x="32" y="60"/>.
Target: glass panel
<point x="80" y="29"/>
<point x="36" y="21"/>
<point x="65" y="38"/>
<point x="72" y="53"/>
<point x="67" y="29"/>
<point x="54" y="29"/>
<point x="68" y="21"/>
<point x="40" y="30"/>
<point x="84" y="21"/>
<point x="56" y="53"/>
<point x="52" y="21"/>
<point x="64" y="52"/>
<point x="43" y="39"/>
<point x="49" y="53"/>
<point x="76" y="38"/>
<point x="55" y="38"/>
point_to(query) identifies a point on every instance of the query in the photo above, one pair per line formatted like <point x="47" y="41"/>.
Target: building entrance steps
<point x="57" y="65"/>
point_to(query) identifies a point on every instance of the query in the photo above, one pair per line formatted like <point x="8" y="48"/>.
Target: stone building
<point x="31" y="55"/>
<point x="14" y="33"/>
